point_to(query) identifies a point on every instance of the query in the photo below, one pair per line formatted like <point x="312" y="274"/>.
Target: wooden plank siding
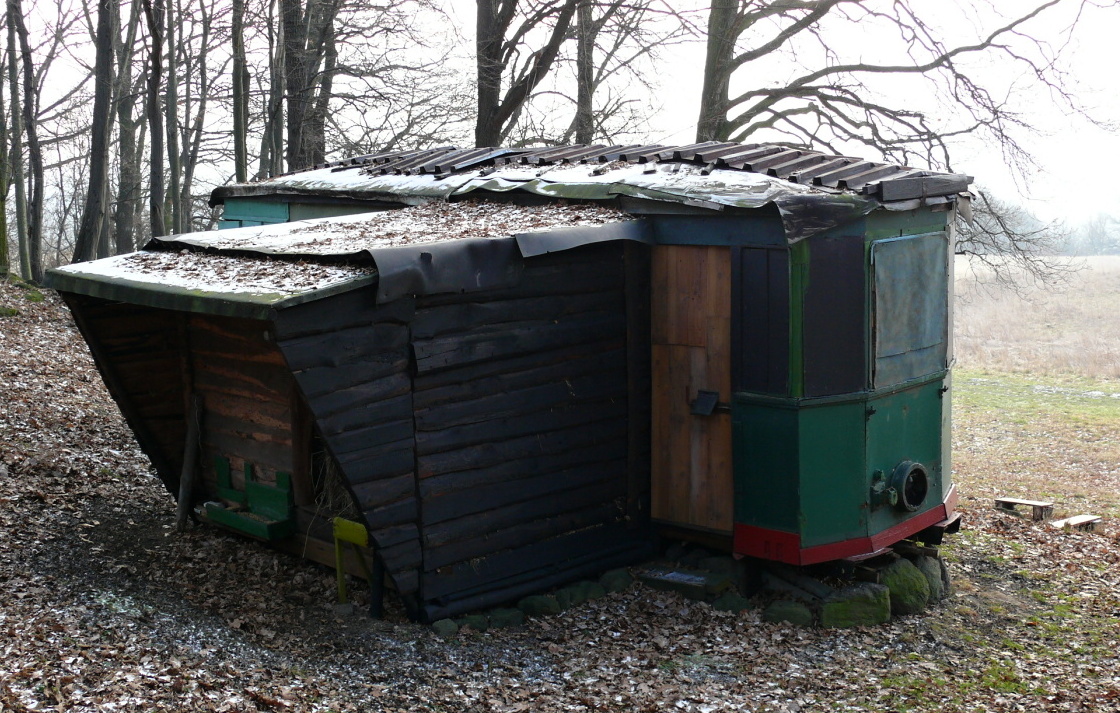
<point x="139" y="352"/>
<point x="491" y="441"/>
<point x="247" y="395"/>
<point x="692" y="478"/>
<point x="522" y="426"/>
<point x="350" y="358"/>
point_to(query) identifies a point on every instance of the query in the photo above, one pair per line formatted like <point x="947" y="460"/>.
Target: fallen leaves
<point x="105" y="609"/>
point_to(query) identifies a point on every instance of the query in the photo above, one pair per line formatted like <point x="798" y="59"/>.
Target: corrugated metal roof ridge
<point x="796" y="165"/>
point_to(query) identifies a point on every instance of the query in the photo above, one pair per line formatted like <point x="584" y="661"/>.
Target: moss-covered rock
<point x="478" y="622"/>
<point x="731" y="602"/>
<point x="616" y="580"/>
<point x="593" y="590"/>
<point x="930" y="567"/>
<point x="445" y="628"/>
<point x="859" y="605"/>
<point x="570" y="596"/>
<point x="539" y="605"/>
<point x="946" y="580"/>
<point x="505" y="618"/>
<point x="795" y="613"/>
<point x="909" y="588"/>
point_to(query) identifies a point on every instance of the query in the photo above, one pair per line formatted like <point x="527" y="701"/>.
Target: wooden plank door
<point x="691" y="314"/>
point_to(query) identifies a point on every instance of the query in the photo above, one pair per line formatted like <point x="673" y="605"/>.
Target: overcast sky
<point x="1069" y="186"/>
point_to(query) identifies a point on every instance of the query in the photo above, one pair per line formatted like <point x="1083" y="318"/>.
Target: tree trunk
<point x="153" y="9"/>
<point x="496" y="112"/>
<point x="128" y="169"/>
<point x="16" y="155"/>
<point x="489" y="33"/>
<point x="315" y="133"/>
<point x="712" y="124"/>
<point x="308" y="33"/>
<point x="585" y="70"/>
<point x="192" y="140"/>
<point x="294" y="20"/>
<point x="34" y="152"/>
<point x="171" y="107"/>
<point x="240" y="96"/>
<point x="89" y="238"/>
<point x="5" y="189"/>
<point x="272" y="140"/>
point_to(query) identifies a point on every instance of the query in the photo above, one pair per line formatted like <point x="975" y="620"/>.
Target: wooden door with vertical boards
<point x="691" y="313"/>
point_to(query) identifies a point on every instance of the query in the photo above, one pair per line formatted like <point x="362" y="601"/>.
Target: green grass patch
<point x="1019" y="398"/>
<point x="9" y="312"/>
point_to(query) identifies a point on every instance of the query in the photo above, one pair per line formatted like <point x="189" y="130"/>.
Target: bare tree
<point x="1099" y="235"/>
<point x="503" y="59"/>
<point x="1017" y="248"/>
<point x="16" y="155"/>
<point x="92" y="227"/>
<point x="617" y="42"/>
<point x="833" y="96"/>
<point x="35" y="169"/>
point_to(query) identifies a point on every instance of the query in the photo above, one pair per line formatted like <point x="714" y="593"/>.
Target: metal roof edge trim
<point x="553" y="241"/>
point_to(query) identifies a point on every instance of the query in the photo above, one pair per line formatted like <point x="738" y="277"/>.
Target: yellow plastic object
<point x="354" y="533"/>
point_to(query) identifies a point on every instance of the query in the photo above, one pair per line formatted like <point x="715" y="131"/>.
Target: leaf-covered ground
<point x="103" y="607"/>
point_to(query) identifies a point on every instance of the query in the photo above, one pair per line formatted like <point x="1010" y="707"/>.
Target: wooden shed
<point x="523" y="358"/>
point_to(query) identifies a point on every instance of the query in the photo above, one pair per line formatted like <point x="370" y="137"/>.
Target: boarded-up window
<point x="911" y="307"/>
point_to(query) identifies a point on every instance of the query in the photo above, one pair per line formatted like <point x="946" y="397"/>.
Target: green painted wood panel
<point x="765" y="450"/>
<point x="307" y="211"/>
<point x="833" y="485"/>
<point x="906" y="425"/>
<point x="255" y="212"/>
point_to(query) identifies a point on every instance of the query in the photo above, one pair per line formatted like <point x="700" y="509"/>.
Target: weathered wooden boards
<point x="350" y="359"/>
<point x="691" y="468"/>
<point x="247" y="393"/>
<point x="494" y="442"/>
<point x="139" y="351"/>
<point x="522" y="423"/>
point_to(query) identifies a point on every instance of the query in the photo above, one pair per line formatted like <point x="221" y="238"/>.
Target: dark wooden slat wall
<point x="139" y="352"/>
<point x="522" y="428"/>
<point x="246" y="390"/>
<point x="350" y="358"/>
<point x="489" y="439"/>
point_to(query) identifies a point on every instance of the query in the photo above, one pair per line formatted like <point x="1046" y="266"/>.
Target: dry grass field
<point x="1037" y="389"/>
<point x="1072" y="329"/>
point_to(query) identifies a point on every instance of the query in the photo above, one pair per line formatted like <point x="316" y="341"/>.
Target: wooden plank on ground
<point x="1040" y="509"/>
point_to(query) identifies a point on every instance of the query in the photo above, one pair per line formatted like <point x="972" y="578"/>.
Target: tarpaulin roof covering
<point x="813" y="191"/>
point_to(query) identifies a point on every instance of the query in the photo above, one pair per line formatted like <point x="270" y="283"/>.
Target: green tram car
<point x="751" y="348"/>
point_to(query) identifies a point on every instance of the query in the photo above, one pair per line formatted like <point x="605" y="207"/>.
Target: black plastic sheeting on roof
<point x="439" y="267"/>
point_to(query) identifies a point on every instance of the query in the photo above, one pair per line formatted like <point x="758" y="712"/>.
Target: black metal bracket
<point x="707" y="403"/>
